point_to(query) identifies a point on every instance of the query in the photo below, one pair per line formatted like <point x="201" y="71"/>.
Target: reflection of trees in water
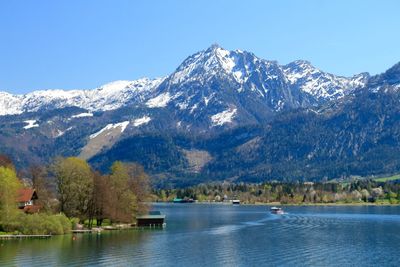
<point x="98" y="246"/>
<point x="65" y="250"/>
<point x="8" y="251"/>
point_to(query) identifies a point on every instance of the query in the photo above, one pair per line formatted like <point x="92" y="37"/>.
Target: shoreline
<point x="11" y="236"/>
<point x="75" y="232"/>
<point x="357" y="204"/>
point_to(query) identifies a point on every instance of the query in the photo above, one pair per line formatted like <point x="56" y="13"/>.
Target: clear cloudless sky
<point x="75" y="44"/>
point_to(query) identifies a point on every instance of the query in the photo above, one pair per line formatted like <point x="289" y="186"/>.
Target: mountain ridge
<point x="236" y="67"/>
<point x="220" y="115"/>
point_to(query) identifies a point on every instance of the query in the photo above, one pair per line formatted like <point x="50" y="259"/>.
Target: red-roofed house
<point x="26" y="199"/>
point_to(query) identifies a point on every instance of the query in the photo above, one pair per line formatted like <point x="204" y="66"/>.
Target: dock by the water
<point x="82" y="231"/>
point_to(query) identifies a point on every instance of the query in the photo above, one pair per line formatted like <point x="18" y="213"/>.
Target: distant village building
<point x="26" y="200"/>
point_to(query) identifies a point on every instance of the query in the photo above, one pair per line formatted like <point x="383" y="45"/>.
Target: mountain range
<point x="221" y="115"/>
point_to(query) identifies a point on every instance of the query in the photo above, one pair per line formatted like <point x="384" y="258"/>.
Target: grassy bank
<point x="387" y="179"/>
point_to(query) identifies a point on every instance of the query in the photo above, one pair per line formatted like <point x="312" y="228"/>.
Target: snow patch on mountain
<point x="81" y="115"/>
<point x="10" y="104"/>
<point x="159" y="101"/>
<point x="193" y="108"/>
<point x="227" y="62"/>
<point x="59" y="133"/>
<point x="223" y="117"/>
<point x="207" y="99"/>
<point x="111" y="126"/>
<point x="31" y="124"/>
<point x="183" y="105"/>
<point x="141" y="121"/>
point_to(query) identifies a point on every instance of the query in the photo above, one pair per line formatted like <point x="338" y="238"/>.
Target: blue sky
<point x="83" y="44"/>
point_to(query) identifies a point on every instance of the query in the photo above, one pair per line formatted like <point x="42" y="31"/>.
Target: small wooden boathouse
<point x="236" y="202"/>
<point x="153" y="219"/>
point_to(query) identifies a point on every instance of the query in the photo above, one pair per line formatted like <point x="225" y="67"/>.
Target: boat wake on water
<point x="315" y="220"/>
<point x="350" y="216"/>
<point x="225" y="229"/>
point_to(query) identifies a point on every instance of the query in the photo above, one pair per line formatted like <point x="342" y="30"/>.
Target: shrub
<point x="37" y="224"/>
<point x="65" y="223"/>
<point x="74" y="222"/>
<point x="52" y="225"/>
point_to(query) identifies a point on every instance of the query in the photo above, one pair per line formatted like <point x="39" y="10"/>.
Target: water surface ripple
<point x="226" y="235"/>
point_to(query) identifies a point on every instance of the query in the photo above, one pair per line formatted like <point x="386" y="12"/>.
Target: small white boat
<point x="276" y="210"/>
<point x="236" y="202"/>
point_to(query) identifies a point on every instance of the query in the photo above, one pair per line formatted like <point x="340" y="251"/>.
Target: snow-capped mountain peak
<point x="208" y="82"/>
<point x="213" y="80"/>
<point x="107" y="97"/>
<point x="214" y="61"/>
<point x="322" y="85"/>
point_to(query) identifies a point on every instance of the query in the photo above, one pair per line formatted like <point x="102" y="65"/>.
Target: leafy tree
<point x="8" y="193"/>
<point x="121" y="201"/>
<point x="74" y="179"/>
<point x="139" y="183"/>
<point x="101" y="195"/>
<point x="42" y="187"/>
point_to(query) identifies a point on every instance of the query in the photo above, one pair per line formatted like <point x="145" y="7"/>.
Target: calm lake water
<point x="226" y="235"/>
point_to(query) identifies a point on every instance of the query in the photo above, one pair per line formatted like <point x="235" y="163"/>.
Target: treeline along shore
<point x="358" y="192"/>
<point x="68" y="194"/>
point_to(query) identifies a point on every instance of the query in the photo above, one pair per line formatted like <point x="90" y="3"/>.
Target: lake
<point x="226" y="235"/>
